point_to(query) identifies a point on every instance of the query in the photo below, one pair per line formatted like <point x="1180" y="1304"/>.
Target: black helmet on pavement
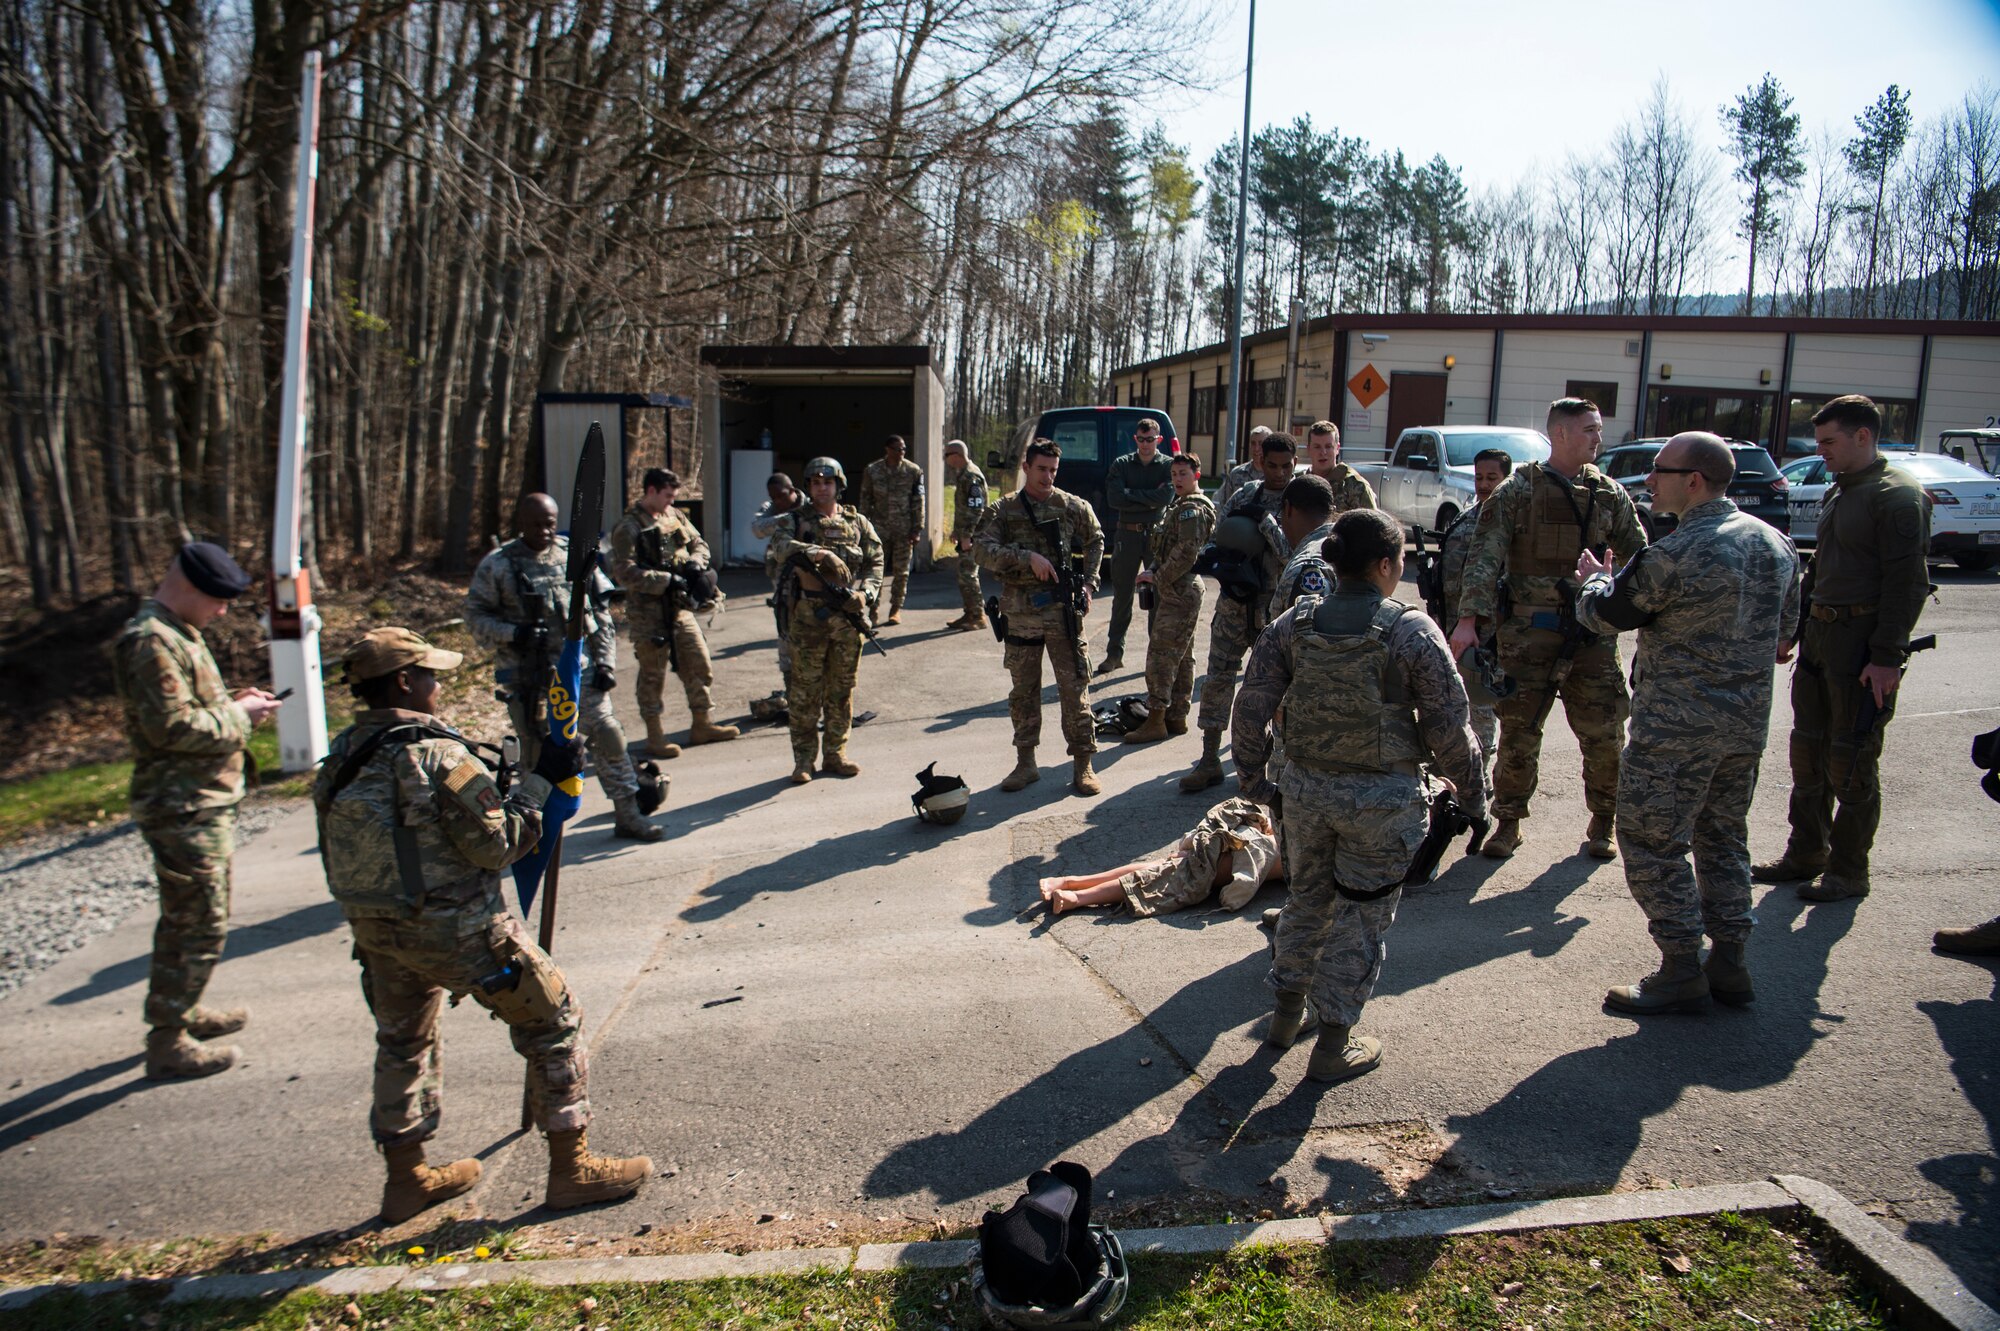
<point x="940" y="799"/>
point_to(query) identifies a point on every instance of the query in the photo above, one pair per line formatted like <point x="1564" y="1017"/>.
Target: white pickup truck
<point x="1427" y="480"/>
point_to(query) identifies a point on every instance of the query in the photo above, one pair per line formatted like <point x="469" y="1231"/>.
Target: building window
<point x="1201" y="411"/>
<point x="1899" y="416"/>
<point x="1267" y="393"/>
<point x="1605" y="395"/>
<point x="1729" y="412"/>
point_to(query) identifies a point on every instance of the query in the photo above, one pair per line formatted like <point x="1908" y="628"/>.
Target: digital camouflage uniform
<point x="826" y="647"/>
<point x="1306" y="573"/>
<point x="1351" y="489"/>
<point x="1176" y="539"/>
<point x="1711" y="601"/>
<point x="1247" y="474"/>
<point x="1453" y="549"/>
<point x="1236" y="624"/>
<point x="1370" y="695"/>
<point x="1869" y="580"/>
<point x="764" y="526"/>
<point x="968" y="505"/>
<point x="1135" y="494"/>
<point x="892" y="498"/>
<point x="449" y="931"/>
<point x="189" y="763"/>
<point x="494" y="608"/>
<point x="1529" y="533"/>
<point x="1034" y="608"/>
<point x="646" y="571"/>
<point x="1185" y="875"/>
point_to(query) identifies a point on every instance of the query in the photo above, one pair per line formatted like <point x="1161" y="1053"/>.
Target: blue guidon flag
<point x="586" y="525"/>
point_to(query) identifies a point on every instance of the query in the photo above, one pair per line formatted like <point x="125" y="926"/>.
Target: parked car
<point x="1427" y="480"/>
<point x="1964" y="503"/>
<point x="1091" y="439"/>
<point x="1759" y="488"/>
<point x="1978" y="448"/>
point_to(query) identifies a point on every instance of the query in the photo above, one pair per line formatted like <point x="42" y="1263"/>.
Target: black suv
<point x="1758" y="488"/>
<point x="1091" y="438"/>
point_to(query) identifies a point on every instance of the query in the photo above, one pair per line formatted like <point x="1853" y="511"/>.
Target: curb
<point x="1921" y="1290"/>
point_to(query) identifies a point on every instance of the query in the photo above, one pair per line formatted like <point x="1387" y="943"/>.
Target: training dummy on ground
<point x="1232" y="851"/>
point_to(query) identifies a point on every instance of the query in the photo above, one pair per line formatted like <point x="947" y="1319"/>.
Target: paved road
<point x="808" y="1004"/>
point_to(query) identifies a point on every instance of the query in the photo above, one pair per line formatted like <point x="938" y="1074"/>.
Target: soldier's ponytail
<point x="1362" y="538"/>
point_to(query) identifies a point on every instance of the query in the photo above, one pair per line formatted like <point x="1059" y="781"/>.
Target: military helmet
<point x="940" y="799"/>
<point x="1098" y="1305"/>
<point x="825" y="467"/>
<point x="1238" y="533"/>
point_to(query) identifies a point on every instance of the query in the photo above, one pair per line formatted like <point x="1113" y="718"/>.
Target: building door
<point x="1414" y="400"/>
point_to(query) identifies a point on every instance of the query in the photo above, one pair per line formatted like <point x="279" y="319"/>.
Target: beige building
<point x="1754" y="379"/>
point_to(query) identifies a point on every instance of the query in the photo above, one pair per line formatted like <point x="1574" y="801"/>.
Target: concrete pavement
<point x="805" y="1002"/>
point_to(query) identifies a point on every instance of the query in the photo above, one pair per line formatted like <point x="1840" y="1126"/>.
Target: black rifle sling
<point x="409" y="859"/>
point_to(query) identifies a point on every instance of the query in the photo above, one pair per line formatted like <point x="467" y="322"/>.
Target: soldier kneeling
<point x="413" y="832"/>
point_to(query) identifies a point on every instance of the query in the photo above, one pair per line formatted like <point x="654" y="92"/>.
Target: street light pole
<point x="1236" y="403"/>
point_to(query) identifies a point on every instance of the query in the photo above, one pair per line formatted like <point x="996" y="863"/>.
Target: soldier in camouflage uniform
<point x="1869" y="579"/>
<point x="188" y="735"/>
<point x="1530" y="532"/>
<point x="413" y="833"/>
<point x="1236" y="624"/>
<point x="1248" y="472"/>
<point x="661" y="561"/>
<point x="1137" y="489"/>
<point x="1715" y="603"/>
<point x="968" y="505"/>
<point x="844" y="552"/>
<point x="1351" y="489"/>
<point x="781" y="499"/>
<point x="1021" y="541"/>
<point x="892" y="498"/>
<point x="531" y="571"/>
<point x="1369" y="696"/>
<point x="1172" y="546"/>
<point x="1305" y="516"/>
<point x="1489" y="468"/>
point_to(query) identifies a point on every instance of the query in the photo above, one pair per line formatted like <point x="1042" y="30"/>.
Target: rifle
<point x="1430" y="579"/>
<point x="1870" y="713"/>
<point x="833" y="598"/>
<point x="1070" y="587"/>
<point x="530" y="677"/>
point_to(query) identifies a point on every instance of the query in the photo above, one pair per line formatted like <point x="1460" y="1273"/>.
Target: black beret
<point x="212" y="571"/>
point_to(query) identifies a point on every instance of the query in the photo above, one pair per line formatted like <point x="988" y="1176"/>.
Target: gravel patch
<point x="62" y="889"/>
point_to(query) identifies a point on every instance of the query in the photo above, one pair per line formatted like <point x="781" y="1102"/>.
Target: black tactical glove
<point x="603" y="679"/>
<point x="559" y="762"/>
<point x="530" y="637"/>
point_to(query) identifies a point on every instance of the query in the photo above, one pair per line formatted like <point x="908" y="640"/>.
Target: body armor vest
<point x="1554" y="533"/>
<point x="384" y="845"/>
<point x="840" y="533"/>
<point x="1346" y="709"/>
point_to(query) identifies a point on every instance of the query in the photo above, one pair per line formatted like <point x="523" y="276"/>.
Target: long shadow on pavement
<point x="28" y="1116"/>
<point x="1970" y="1034"/>
<point x="245" y="940"/>
<point x="833" y="857"/>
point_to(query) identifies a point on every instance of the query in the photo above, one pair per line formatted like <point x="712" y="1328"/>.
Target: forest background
<point x="519" y="197"/>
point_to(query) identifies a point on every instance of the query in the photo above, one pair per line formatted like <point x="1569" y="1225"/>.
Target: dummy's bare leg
<point x="1078" y="882"/>
<point x="1104" y="894"/>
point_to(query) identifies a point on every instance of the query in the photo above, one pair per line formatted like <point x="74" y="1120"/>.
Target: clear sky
<point x="1499" y="88"/>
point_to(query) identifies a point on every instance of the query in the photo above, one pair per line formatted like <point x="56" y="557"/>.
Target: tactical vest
<point x="1553" y="532"/>
<point x="528" y="575"/>
<point x="1346" y="709"/>
<point x="1166" y="528"/>
<point x="386" y="854"/>
<point x="840" y="533"/>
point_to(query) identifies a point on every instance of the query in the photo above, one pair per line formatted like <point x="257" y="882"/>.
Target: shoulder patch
<point x="1312" y="581"/>
<point x="463" y="775"/>
<point x="1908" y="524"/>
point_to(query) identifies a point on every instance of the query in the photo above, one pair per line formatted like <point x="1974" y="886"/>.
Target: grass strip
<point x="1707" y="1274"/>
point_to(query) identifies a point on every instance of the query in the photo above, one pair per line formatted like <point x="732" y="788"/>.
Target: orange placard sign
<point x="1368" y="386"/>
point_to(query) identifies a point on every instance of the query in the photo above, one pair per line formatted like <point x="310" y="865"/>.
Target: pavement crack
<point x="1139" y="1019"/>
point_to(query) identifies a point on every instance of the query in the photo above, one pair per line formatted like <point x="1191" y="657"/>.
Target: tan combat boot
<point x="1835" y="887"/>
<point x="1294" y="1017"/>
<point x="1980" y="940"/>
<point x="1597" y="842"/>
<point x="1082" y="778"/>
<point x="209" y="1023"/>
<point x="578" y="1178"/>
<point x="1025" y="772"/>
<point x="1728" y="977"/>
<point x="1208" y="771"/>
<point x="1150" y="731"/>
<point x="631" y="825"/>
<point x="1784" y="869"/>
<point x="1679" y="985"/>
<point x="414" y="1186"/>
<point x="171" y="1054"/>
<point x="1177" y="721"/>
<point x="1339" y="1055"/>
<point x="657" y="742"/>
<point x="702" y="731"/>
<point x="839" y="764"/>
<point x="802" y="776"/>
<point x="1506" y="839"/>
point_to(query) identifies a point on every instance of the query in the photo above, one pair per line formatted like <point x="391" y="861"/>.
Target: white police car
<point x="1964" y="502"/>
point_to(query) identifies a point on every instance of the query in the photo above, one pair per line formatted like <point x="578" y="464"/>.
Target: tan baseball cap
<point x="384" y="651"/>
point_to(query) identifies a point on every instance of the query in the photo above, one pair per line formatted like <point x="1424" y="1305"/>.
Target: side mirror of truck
<point x="993" y="459"/>
<point x="1419" y="462"/>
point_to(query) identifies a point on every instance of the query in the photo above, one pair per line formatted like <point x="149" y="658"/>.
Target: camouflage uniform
<point x="449" y="931"/>
<point x="1244" y="474"/>
<point x="1529" y="532"/>
<point x="826" y="647"/>
<point x="1034" y="610"/>
<point x="1135" y="493"/>
<point x="1185" y="876"/>
<point x="1453" y="549"/>
<point x="494" y="608"/>
<point x="1369" y="695"/>
<point x="1176" y="539"/>
<point x="189" y="757"/>
<point x="892" y="498"/>
<point x="1869" y="581"/>
<point x="764" y="526"/>
<point x="1236" y="624"/>
<point x="1712" y="601"/>
<point x="645" y="574"/>
<point x="1351" y="489"/>
<point x="1306" y="573"/>
<point x="968" y="505"/>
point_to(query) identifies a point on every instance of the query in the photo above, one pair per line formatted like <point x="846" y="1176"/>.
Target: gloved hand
<point x="855" y="603"/>
<point x="831" y="568"/>
<point x="603" y="679"/>
<point x="530" y="637"/>
<point x="559" y="762"/>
